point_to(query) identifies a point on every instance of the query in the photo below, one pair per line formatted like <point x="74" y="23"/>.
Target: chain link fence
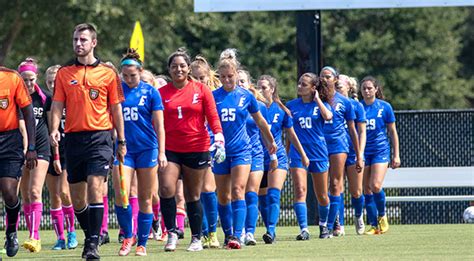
<point x="433" y="138"/>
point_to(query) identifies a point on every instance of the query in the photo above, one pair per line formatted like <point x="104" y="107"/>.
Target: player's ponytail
<point x="276" y="98"/>
<point x="228" y="59"/>
<point x="131" y="58"/>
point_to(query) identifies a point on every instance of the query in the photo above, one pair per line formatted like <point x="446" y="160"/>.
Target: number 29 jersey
<point x="378" y="114"/>
<point x="138" y="107"/>
<point x="233" y="108"/>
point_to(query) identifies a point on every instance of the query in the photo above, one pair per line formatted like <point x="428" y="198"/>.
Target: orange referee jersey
<point x="87" y="91"/>
<point x="13" y="94"/>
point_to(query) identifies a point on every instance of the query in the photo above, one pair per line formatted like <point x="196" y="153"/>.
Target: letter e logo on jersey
<point x="379" y="115"/>
<point x="315" y="111"/>
<point x="93" y="93"/>
<point x="275" y="118"/>
<point x="4" y="103"/>
<point x="142" y="101"/>
<point x="195" y="98"/>
<point x="241" y="102"/>
<point x="338" y="107"/>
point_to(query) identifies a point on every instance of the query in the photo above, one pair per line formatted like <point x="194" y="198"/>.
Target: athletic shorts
<point x="257" y="162"/>
<point x="11" y="154"/>
<point x="230" y="162"/>
<point x="282" y="162"/>
<point x="88" y="153"/>
<point x="337" y="146"/>
<point x="194" y="160"/>
<point x="43" y="150"/>
<point x="382" y="157"/>
<point x="51" y="170"/>
<point x="264" y="182"/>
<point x="315" y="166"/>
<point x="140" y="160"/>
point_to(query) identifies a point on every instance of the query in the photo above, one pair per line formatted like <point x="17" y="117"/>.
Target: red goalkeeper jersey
<point x="185" y="114"/>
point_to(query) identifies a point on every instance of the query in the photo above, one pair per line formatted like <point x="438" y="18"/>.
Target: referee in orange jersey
<point x="14" y="96"/>
<point x="91" y="91"/>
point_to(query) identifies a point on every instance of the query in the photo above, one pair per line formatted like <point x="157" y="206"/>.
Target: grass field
<point x="416" y="242"/>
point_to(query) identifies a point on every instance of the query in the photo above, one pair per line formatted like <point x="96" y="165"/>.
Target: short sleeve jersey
<point x="88" y="91"/>
<point x="342" y="111"/>
<point x="138" y="107"/>
<point x="185" y="114"/>
<point x="308" y="125"/>
<point x="360" y="117"/>
<point x="379" y="114"/>
<point x="39" y="109"/>
<point x="254" y="132"/>
<point x="233" y="108"/>
<point x="13" y="95"/>
<point x="277" y="119"/>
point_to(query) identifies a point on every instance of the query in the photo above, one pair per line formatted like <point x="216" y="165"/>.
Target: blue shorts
<point x="315" y="166"/>
<point x="230" y="162"/>
<point x="257" y="162"/>
<point x="351" y="159"/>
<point x="140" y="160"/>
<point x="382" y="157"/>
<point x="282" y="162"/>
<point x="337" y="146"/>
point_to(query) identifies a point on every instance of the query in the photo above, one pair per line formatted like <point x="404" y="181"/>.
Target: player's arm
<point x="362" y="131"/>
<point x="325" y="112"/>
<point x="392" y="131"/>
<point x="159" y="126"/>
<point x="24" y="134"/>
<point x="265" y="131"/>
<point x="28" y="116"/>
<point x="55" y="115"/>
<point x="117" y="116"/>
<point x="296" y="142"/>
<point x="355" y="143"/>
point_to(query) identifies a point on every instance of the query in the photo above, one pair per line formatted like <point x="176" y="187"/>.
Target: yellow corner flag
<point x="137" y="41"/>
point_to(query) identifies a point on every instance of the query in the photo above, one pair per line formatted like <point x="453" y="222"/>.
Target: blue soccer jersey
<point x="342" y="111"/>
<point x="360" y="117"/>
<point x="254" y="132"/>
<point x="233" y="109"/>
<point x="138" y="107"/>
<point x="379" y="114"/>
<point x="308" y="125"/>
<point x="278" y="119"/>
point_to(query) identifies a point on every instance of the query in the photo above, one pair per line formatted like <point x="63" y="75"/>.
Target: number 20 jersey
<point x="138" y="107"/>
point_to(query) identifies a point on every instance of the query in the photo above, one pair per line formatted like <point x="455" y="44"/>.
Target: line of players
<point x="329" y="135"/>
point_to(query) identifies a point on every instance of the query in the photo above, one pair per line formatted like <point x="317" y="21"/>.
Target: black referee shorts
<point x="11" y="154"/>
<point x="88" y="153"/>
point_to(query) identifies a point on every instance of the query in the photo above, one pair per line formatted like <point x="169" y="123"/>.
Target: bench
<point x="429" y="178"/>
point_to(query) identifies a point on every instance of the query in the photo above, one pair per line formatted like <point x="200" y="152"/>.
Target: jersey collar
<point x="95" y="64"/>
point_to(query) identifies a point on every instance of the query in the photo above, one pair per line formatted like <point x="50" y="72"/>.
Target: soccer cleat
<point x="141" y="251"/>
<point x="372" y="231"/>
<point x="233" y="243"/>
<point x="126" y="247"/>
<point x="324" y="232"/>
<point x="172" y="242"/>
<point x="92" y="252"/>
<point x="180" y="233"/>
<point x="304" y="235"/>
<point x="155" y="230"/>
<point x="250" y="239"/>
<point x="213" y="241"/>
<point x="164" y="236"/>
<point x="339" y="232"/>
<point x="85" y="250"/>
<point x="33" y="245"/>
<point x="268" y="238"/>
<point x="71" y="240"/>
<point x="195" y="245"/>
<point x="104" y="238"/>
<point x="60" y="245"/>
<point x="11" y="244"/>
<point x="121" y="236"/>
<point x="359" y="225"/>
<point x="383" y="224"/>
<point x="205" y="242"/>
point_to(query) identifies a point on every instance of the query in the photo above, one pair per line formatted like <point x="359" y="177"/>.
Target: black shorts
<point x="11" y="154"/>
<point x="194" y="160"/>
<point x="51" y="170"/>
<point x="43" y="148"/>
<point x="88" y="153"/>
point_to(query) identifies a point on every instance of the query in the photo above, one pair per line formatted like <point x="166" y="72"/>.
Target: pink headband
<point x="27" y="67"/>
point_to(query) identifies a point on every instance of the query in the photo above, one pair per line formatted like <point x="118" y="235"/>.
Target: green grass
<point x="417" y="242"/>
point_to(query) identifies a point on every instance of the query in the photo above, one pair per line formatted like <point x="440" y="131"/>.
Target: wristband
<point x="56" y="157"/>
<point x="273" y="157"/>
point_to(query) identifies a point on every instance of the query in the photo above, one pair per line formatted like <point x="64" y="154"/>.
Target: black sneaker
<point x="268" y="238"/>
<point x="324" y="232"/>
<point x="104" y="239"/>
<point x="180" y="233"/>
<point x="85" y="250"/>
<point x="155" y="225"/>
<point x="121" y="237"/>
<point x="11" y="244"/>
<point x="304" y="235"/>
<point x="93" y="252"/>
